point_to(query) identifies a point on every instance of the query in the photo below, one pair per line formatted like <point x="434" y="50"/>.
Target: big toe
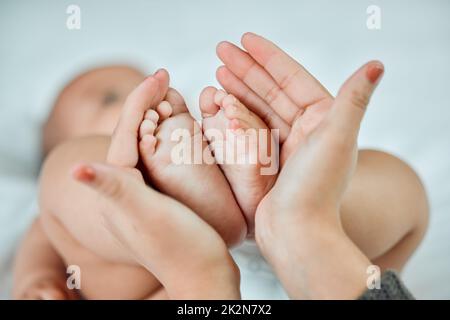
<point x="164" y="110"/>
<point x="208" y="107"/>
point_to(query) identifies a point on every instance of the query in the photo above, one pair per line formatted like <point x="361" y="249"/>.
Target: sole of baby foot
<point x="243" y="146"/>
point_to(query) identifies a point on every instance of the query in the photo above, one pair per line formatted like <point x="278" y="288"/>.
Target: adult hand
<point x="274" y="86"/>
<point x="299" y="232"/>
<point x="185" y="254"/>
<point x="163" y="235"/>
<point x="123" y="150"/>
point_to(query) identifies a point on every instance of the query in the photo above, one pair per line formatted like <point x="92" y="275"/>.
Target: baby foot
<point x="244" y="149"/>
<point x="199" y="185"/>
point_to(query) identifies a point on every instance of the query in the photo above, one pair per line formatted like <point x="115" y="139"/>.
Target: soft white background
<point x="409" y="115"/>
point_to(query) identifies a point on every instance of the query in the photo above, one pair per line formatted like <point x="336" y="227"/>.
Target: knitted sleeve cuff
<point x="392" y="288"/>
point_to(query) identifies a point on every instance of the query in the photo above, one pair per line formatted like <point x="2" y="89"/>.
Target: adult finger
<point x="251" y="73"/>
<point x="240" y="90"/>
<point x="351" y="102"/>
<point x="161" y="233"/>
<point x="123" y="150"/>
<point x="177" y="102"/>
<point x="297" y="83"/>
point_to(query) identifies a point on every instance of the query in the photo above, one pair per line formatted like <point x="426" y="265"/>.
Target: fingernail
<point x="84" y="173"/>
<point x="158" y="71"/>
<point x="374" y="72"/>
<point x="222" y="44"/>
<point x="249" y="34"/>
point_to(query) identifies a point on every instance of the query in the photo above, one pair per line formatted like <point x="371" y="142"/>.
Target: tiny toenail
<point x="232" y="107"/>
<point x="165" y="107"/>
<point x="234" y="124"/>
<point x="158" y="71"/>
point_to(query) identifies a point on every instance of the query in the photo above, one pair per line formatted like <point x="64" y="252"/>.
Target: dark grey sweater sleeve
<point x="392" y="288"/>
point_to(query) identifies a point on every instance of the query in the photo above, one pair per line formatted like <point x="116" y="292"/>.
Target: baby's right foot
<point x="253" y="166"/>
<point x="202" y="187"/>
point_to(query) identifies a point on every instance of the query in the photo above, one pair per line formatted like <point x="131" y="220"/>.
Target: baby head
<point x="90" y="104"/>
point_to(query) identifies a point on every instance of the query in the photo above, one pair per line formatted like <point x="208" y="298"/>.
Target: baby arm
<point x="39" y="272"/>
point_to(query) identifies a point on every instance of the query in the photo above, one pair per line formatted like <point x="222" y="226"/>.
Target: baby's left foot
<point x="242" y="145"/>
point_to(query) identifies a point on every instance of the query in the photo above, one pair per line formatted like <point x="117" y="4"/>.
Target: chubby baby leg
<point x="82" y="239"/>
<point x="385" y="209"/>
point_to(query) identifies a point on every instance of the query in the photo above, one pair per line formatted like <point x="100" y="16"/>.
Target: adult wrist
<point x="314" y="258"/>
<point x="218" y="280"/>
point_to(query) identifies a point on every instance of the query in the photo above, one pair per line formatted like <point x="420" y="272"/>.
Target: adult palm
<point x="274" y="86"/>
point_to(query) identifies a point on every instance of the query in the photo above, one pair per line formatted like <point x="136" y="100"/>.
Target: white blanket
<point x="409" y="115"/>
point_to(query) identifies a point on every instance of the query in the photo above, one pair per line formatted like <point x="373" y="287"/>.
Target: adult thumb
<point x="353" y="97"/>
<point x="108" y="180"/>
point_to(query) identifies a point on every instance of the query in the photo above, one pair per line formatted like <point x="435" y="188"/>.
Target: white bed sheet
<point x="409" y="115"/>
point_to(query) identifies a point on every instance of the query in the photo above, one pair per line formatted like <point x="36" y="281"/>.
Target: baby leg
<point x="82" y="238"/>
<point x="385" y="209"/>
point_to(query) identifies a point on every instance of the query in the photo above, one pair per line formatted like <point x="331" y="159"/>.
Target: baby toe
<point x="234" y="109"/>
<point x="147" y="128"/>
<point x="208" y="107"/>
<point x="219" y="96"/>
<point x="164" y="110"/>
<point x="236" y="124"/>
<point x="147" y="146"/>
<point x="151" y="115"/>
